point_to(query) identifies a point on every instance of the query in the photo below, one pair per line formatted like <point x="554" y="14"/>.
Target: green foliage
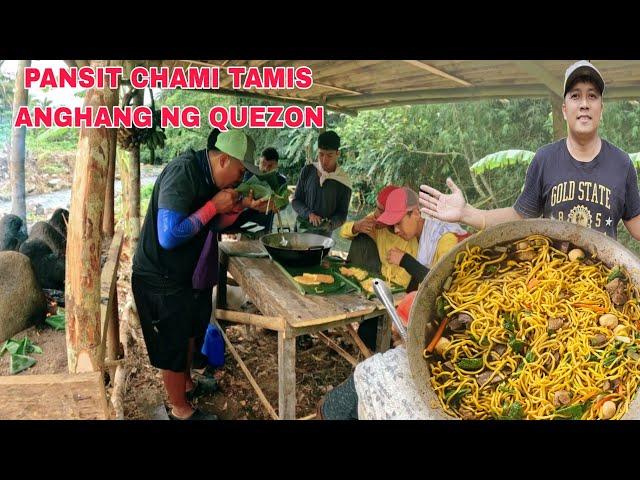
<point x="57" y="322"/>
<point x="48" y="140"/>
<point x="266" y="186"/>
<point x="19" y="351"/>
<point x="502" y="159"/>
<point x="428" y="143"/>
<point x="21" y="362"/>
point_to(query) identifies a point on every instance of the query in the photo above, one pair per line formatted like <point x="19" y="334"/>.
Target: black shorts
<point x="168" y="321"/>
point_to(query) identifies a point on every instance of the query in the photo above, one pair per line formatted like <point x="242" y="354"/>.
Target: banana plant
<point x="501" y="160"/>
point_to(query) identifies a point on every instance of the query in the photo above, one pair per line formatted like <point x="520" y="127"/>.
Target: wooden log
<point x="559" y="123"/>
<point x="119" y="390"/>
<point x="286" y="376"/>
<point x="109" y="291"/>
<point x="271" y="323"/>
<point x="82" y="292"/>
<point x="252" y="381"/>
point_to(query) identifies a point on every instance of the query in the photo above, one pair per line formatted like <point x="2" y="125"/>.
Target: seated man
<point x="435" y="238"/>
<point x="381" y="387"/>
<point x="370" y="242"/>
<point x="368" y="231"/>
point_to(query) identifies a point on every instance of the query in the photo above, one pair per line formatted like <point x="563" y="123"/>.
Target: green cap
<point x="240" y="146"/>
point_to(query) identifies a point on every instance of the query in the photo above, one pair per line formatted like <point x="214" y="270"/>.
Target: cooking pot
<point x="297" y="249"/>
<point x="421" y="319"/>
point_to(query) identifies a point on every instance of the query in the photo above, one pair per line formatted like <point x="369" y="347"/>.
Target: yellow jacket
<point x="446" y="243"/>
<point x="385" y="241"/>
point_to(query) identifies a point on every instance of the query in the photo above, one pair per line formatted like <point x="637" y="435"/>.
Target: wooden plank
<point x="286" y="376"/>
<point x="336" y="348"/>
<point x="275" y="296"/>
<point x="553" y="83"/>
<point x="108" y="299"/>
<point x="339" y="89"/>
<point x="438" y="72"/>
<point x="442" y="93"/>
<point x="252" y="381"/>
<point x="53" y="397"/>
<point x="271" y="323"/>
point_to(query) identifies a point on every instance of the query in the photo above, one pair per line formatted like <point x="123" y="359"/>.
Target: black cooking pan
<point x="297" y="249"/>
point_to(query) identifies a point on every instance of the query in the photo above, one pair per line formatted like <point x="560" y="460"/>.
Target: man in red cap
<point x="370" y="242"/>
<point x="435" y="238"/>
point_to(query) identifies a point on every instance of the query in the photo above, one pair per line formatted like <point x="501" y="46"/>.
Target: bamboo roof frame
<point x="350" y="86"/>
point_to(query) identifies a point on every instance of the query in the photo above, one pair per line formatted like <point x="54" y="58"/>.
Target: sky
<point x="58" y="96"/>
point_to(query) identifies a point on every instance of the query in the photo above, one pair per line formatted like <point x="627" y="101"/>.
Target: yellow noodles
<point x="509" y="363"/>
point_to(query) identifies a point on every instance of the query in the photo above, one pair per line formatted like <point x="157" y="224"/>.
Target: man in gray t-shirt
<point x="581" y="179"/>
<point x="595" y="194"/>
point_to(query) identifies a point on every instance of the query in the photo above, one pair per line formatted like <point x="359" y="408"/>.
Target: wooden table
<point x="290" y="313"/>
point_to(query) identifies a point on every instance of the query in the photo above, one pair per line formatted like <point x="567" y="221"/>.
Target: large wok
<point x="297" y="249"/>
<point x="421" y="328"/>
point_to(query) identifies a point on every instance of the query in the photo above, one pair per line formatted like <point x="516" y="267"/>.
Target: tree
<point x="16" y="162"/>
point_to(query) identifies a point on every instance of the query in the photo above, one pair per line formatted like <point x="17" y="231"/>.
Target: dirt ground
<point x="318" y="370"/>
<point x="53" y="358"/>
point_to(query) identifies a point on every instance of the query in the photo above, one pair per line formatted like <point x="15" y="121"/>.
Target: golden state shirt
<point x="595" y="194"/>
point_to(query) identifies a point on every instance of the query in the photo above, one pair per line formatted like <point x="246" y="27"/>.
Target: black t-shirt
<point x="184" y="186"/>
<point x="595" y="194"/>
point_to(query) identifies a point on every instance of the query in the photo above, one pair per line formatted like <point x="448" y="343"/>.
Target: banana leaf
<point x="22" y="347"/>
<point x="635" y="158"/>
<point x="56" y="321"/>
<point x="10" y="346"/>
<point x="270" y="178"/>
<point x="262" y="189"/>
<point x="502" y="159"/>
<point x="339" y="286"/>
<point x="20" y="363"/>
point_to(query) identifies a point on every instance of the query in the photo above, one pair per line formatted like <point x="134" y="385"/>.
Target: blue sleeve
<point x="175" y="228"/>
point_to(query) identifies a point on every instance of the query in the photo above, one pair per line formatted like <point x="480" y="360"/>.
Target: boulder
<point x="22" y="301"/>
